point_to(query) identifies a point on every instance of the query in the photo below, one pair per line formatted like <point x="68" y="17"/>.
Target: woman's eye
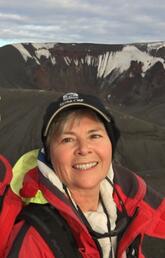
<point x="96" y="136"/>
<point x="67" y="139"/>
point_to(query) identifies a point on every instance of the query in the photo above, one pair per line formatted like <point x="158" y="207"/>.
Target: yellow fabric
<point x="23" y="165"/>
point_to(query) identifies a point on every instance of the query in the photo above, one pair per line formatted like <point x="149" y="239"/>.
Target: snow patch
<point x="88" y="59"/>
<point x="23" y="51"/>
<point x="44" y="50"/>
<point x="44" y="45"/>
<point x="155" y="45"/>
<point x="121" y="60"/>
<point x="46" y="53"/>
<point x="82" y="60"/>
<point x="67" y="60"/>
<point x="41" y="50"/>
<point x="76" y="62"/>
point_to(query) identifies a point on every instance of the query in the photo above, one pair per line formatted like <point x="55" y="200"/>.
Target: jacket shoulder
<point x="130" y="183"/>
<point x="134" y="188"/>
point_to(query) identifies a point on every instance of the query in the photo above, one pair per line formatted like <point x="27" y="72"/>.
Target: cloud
<point x="99" y="21"/>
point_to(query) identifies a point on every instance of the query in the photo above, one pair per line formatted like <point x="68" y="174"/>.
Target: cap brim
<point x="71" y="105"/>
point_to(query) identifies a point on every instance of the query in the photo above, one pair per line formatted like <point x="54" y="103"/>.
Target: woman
<point x="105" y="210"/>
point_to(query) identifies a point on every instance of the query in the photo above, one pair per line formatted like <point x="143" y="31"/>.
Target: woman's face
<point x="81" y="155"/>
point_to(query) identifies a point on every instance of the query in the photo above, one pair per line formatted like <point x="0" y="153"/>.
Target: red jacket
<point x="145" y="208"/>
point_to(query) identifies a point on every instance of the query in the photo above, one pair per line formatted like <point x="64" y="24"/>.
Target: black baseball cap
<point x="77" y="100"/>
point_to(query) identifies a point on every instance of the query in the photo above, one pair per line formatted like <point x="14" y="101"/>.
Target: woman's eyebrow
<point x="95" y="130"/>
<point x="74" y="132"/>
<point x="67" y="132"/>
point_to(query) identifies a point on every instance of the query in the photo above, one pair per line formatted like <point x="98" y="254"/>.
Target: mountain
<point x="124" y="75"/>
<point x="129" y="78"/>
<point x="136" y="68"/>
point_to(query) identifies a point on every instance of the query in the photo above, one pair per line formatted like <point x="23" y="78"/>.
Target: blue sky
<point x="91" y="21"/>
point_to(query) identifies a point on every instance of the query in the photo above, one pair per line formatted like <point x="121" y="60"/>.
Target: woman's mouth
<point x="85" y="166"/>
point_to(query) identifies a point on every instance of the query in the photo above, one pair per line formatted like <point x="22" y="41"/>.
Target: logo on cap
<point x="70" y="96"/>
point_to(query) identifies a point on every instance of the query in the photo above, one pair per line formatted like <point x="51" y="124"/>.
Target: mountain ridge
<point x="105" y="69"/>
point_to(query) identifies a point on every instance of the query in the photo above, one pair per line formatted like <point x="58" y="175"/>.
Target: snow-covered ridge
<point x="155" y="45"/>
<point x="40" y="50"/>
<point x="119" y="61"/>
<point x="23" y="51"/>
<point x="89" y="60"/>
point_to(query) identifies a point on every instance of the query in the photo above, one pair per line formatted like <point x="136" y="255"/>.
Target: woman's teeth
<point x="85" y="166"/>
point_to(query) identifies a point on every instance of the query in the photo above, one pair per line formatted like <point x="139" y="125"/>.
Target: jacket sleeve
<point x="34" y="246"/>
<point x="27" y="245"/>
<point x="156" y="203"/>
<point x="154" y="236"/>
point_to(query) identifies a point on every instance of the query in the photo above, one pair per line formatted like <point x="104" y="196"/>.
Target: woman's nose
<point x="83" y="147"/>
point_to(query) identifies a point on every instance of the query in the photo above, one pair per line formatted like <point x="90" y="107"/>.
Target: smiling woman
<point x="81" y="203"/>
<point x="81" y="155"/>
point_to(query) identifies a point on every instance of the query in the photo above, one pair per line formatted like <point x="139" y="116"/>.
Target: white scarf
<point x="98" y="219"/>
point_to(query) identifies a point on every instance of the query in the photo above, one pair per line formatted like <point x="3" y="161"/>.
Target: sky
<point x="79" y="21"/>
